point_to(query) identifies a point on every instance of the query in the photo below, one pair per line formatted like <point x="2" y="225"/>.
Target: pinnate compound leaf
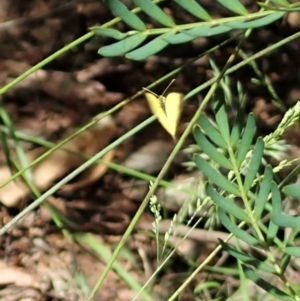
<point x="269" y="288"/>
<point x="108" y="32"/>
<point x="235" y="230"/>
<point x="263" y="21"/>
<point x="247" y="138"/>
<point x="235" y="6"/>
<point x="292" y="190"/>
<point x="264" y="191"/>
<point x="209" y="149"/>
<point x="122" y="47"/>
<point x="215" y="176"/>
<point x="254" y="164"/>
<point x="155" y="12"/>
<point x="194" y="8"/>
<point x="227" y="205"/>
<point x="212" y="132"/>
<point x="247" y="259"/>
<point x="120" y="10"/>
<point x="149" y="49"/>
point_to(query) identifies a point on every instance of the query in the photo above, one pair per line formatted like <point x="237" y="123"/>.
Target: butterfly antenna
<point x="150" y="92"/>
<point x="172" y="81"/>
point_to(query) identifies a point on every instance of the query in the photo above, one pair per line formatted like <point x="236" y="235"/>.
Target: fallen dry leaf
<point x="17" y="276"/>
<point x="59" y="162"/>
<point x="91" y="175"/>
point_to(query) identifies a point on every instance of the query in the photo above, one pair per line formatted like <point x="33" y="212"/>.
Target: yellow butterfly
<point x="167" y="109"/>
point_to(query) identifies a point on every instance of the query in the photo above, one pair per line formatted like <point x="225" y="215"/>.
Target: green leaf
<point x="222" y="122"/>
<point x="237" y="127"/>
<point x="235" y="230"/>
<point x="270" y="289"/>
<point x="276" y="199"/>
<point x="207" y="30"/>
<point x="194" y="8"/>
<point x="284" y="262"/>
<point x="286" y="221"/>
<point x="264" y="191"/>
<point x="234" y="6"/>
<point x="247" y="138"/>
<point x="278" y="218"/>
<point x="290" y="8"/>
<point x="272" y="232"/>
<point x="254" y="164"/>
<point x="212" y="132"/>
<point x="209" y="149"/>
<point x="215" y="176"/>
<point x="147" y="50"/>
<point x="179" y="38"/>
<point x="293" y="251"/>
<point x="281" y="2"/>
<point x="227" y="205"/>
<point x="155" y="12"/>
<point x="108" y="32"/>
<point x="120" y="10"/>
<point x="247" y="259"/>
<point x="241" y="24"/>
<point x="122" y="47"/>
<point x="292" y="190"/>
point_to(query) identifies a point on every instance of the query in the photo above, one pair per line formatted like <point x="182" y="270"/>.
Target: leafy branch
<point x="134" y="45"/>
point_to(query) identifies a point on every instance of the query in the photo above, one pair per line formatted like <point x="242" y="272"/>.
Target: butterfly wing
<point x="157" y="109"/>
<point x="173" y="106"/>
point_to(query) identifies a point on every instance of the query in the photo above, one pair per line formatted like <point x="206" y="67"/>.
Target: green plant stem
<point x="73" y="174"/>
<point x="171" y="158"/>
<point x="46" y="61"/>
<point x="158" y="179"/>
